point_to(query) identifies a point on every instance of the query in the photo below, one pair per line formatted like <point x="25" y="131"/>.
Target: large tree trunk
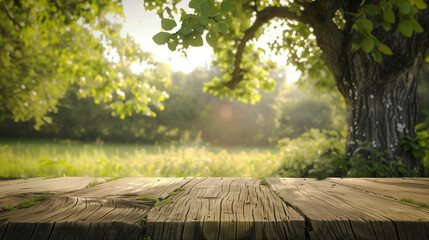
<point x="381" y="97"/>
<point x="382" y="108"/>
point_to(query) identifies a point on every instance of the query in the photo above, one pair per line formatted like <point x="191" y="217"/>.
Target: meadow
<point x="21" y="159"/>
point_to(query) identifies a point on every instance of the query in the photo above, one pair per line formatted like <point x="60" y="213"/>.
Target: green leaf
<point x="389" y="16"/>
<point x="367" y="44"/>
<point x="383" y="4"/>
<point x="205" y="9"/>
<point x="365" y="25"/>
<point x="195" y="41"/>
<point x="384" y="49"/>
<point x="413" y="10"/>
<point x="211" y="38"/>
<point x="404" y="8"/>
<point x="387" y="26"/>
<point x="406" y="28"/>
<point x="427" y="58"/>
<point x="376" y="55"/>
<point x="202" y="20"/>
<point x="223" y="27"/>
<point x="185" y="30"/>
<point x="199" y="28"/>
<point x="194" y="3"/>
<point x="357" y="44"/>
<point x="371" y="9"/>
<point x="168" y="24"/>
<point x="161" y="38"/>
<point x="173" y="45"/>
<point x="420" y="4"/>
<point x="416" y="26"/>
<point x="226" y="5"/>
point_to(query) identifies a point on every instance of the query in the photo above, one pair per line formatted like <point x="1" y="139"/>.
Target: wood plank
<point x="398" y="188"/>
<point x="334" y="211"/>
<point x="225" y="208"/>
<point x="106" y="211"/>
<point x="14" y="191"/>
<point x="132" y="187"/>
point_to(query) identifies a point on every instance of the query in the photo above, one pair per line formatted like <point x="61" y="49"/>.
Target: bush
<point x="316" y="153"/>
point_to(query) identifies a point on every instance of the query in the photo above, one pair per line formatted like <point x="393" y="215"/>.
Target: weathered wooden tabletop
<point x="217" y="208"/>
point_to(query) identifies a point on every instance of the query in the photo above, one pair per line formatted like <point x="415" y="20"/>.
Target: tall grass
<point x="57" y="159"/>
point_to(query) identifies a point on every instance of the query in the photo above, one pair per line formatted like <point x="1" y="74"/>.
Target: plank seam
<point x="308" y="227"/>
<point x="52" y="230"/>
<point x="351" y="227"/>
<point x="5" y="230"/>
<point x="146" y="216"/>
<point x="396" y="229"/>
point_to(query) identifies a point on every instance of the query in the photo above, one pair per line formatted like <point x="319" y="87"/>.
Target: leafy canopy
<point x="48" y="45"/>
<point x="231" y="28"/>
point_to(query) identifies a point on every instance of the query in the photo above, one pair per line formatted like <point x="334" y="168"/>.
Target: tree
<point x="369" y="50"/>
<point x="48" y="45"/>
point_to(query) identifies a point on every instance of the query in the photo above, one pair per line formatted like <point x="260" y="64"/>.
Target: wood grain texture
<point x="225" y="208"/>
<point x="408" y="188"/>
<point x="334" y="211"/>
<point x="14" y="191"/>
<point x="106" y="211"/>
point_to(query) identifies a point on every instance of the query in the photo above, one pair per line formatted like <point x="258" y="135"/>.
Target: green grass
<point x="26" y="203"/>
<point x="23" y="159"/>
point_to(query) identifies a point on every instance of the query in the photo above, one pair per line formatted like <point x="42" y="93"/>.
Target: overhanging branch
<point x="262" y="17"/>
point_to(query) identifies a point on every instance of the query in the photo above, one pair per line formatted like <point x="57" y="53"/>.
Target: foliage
<point x="319" y="154"/>
<point x="387" y="13"/>
<point x="315" y="153"/>
<point x="193" y="116"/>
<point x="49" y="45"/>
<point x="423" y="141"/>
<point x="298" y="111"/>
<point x="232" y="29"/>
<point x="380" y="167"/>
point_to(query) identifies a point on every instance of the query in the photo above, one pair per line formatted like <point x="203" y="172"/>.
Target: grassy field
<point x="57" y="159"/>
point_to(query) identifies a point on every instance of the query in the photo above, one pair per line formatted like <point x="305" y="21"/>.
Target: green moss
<point x="93" y="183"/>
<point x="26" y="203"/>
<point x="145" y="198"/>
<point x="410" y="201"/>
<point x="263" y="182"/>
<point x="162" y="202"/>
<point x="112" y="179"/>
<point x="388" y="196"/>
<point x="176" y="191"/>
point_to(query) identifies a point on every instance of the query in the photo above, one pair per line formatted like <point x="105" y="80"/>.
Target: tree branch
<point x="10" y="15"/>
<point x="262" y="17"/>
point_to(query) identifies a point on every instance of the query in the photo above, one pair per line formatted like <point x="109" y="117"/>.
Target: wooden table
<point x="217" y="208"/>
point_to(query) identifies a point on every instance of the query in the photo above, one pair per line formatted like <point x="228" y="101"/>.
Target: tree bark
<point x="382" y="110"/>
